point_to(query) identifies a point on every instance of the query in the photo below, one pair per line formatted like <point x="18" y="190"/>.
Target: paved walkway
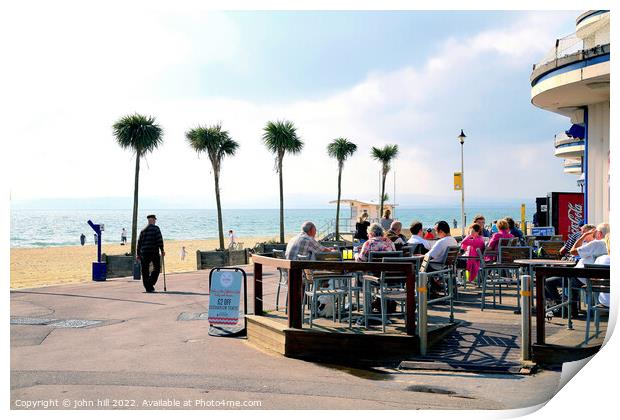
<point x="142" y="355"/>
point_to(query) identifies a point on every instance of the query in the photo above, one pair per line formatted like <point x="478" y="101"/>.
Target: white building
<point x="573" y="80"/>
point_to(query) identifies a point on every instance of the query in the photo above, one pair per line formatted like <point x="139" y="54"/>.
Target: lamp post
<point x="461" y="138"/>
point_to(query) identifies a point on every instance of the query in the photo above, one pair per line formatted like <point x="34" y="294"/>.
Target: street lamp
<point x="461" y="138"/>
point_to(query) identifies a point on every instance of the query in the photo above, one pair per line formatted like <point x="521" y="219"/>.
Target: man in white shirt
<point x="417" y="237"/>
<point x="438" y="252"/>
<point x="588" y="247"/>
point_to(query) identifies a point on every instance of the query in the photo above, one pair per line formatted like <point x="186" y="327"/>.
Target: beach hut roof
<point x="355" y="202"/>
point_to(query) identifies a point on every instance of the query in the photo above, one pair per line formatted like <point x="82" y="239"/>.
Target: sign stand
<point x="224" y="294"/>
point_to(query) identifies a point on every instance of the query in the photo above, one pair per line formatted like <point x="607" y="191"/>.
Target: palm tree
<point x="385" y="156"/>
<point x="340" y="149"/>
<point x="140" y="134"/>
<point x="217" y="144"/>
<point x="280" y="137"/>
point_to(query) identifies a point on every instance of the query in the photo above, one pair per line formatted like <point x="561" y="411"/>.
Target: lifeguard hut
<point x="357" y="208"/>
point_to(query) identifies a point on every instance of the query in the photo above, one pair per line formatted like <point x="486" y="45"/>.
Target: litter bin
<point x="137" y="270"/>
<point x="99" y="271"/>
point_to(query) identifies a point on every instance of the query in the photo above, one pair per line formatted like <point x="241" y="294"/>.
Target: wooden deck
<point x="488" y="340"/>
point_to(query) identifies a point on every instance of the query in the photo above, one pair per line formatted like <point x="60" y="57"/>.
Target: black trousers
<point x="150" y="278"/>
<point x="552" y="284"/>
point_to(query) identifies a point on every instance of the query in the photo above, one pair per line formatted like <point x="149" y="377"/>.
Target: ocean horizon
<point x="50" y="228"/>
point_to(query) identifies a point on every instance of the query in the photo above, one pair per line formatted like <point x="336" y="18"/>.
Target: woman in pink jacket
<point x="471" y="244"/>
<point x="504" y="232"/>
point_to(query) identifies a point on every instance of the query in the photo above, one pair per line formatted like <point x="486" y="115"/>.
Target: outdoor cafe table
<point x="532" y="263"/>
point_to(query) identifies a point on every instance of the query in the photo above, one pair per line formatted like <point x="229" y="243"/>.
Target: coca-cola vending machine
<point x="566" y="212"/>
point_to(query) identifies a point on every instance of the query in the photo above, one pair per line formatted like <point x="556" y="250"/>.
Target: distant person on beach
<point x="395" y="236"/>
<point x="376" y="243"/>
<point x="386" y="221"/>
<point x="183" y="253"/>
<point x="124" y="237"/>
<point x="503" y="232"/>
<point x="361" y="228"/>
<point x="454" y="223"/>
<point x="304" y="243"/>
<point x="232" y="239"/>
<point x="421" y="245"/>
<point x="82" y="239"/>
<point x="480" y="221"/>
<point x="150" y="242"/>
<point x="471" y="244"/>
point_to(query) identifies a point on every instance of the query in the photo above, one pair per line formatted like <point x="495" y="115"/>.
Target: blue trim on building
<point x="573" y="66"/>
<point x="577" y="143"/>
<point x="585" y="169"/>
<point x="588" y="16"/>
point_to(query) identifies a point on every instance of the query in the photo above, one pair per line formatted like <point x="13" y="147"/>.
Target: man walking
<point x="124" y="237"/>
<point x="150" y="242"/>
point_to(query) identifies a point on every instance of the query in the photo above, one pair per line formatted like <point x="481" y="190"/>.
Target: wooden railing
<point x="545" y="272"/>
<point x="295" y="283"/>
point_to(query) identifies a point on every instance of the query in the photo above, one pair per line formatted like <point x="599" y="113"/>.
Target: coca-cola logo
<point x="575" y="215"/>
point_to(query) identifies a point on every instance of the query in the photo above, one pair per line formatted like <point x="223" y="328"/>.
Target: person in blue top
<point x="480" y="220"/>
<point x="516" y="232"/>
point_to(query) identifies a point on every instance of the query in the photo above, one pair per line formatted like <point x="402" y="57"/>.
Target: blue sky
<point x="413" y="78"/>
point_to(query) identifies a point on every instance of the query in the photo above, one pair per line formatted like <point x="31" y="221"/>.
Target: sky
<point x="412" y="78"/>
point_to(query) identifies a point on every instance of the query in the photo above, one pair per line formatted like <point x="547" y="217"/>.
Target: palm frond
<point x="281" y="137"/>
<point x="340" y="149"/>
<point x="138" y="132"/>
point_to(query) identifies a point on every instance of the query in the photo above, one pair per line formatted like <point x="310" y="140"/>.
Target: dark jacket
<point x="150" y="240"/>
<point x="361" y="230"/>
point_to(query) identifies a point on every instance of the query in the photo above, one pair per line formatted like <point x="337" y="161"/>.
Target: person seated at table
<point x="494" y="228"/>
<point x="603" y="298"/>
<point x="437" y="254"/>
<point x="417" y="238"/>
<point x="480" y="220"/>
<point x="589" y="247"/>
<point x="514" y="229"/>
<point x="386" y="221"/>
<point x="471" y="244"/>
<point x="376" y="243"/>
<point x="503" y="232"/>
<point x="361" y="228"/>
<point x="395" y="236"/>
<point x="304" y="243"/>
<point x="429" y="235"/>
<point x="572" y="238"/>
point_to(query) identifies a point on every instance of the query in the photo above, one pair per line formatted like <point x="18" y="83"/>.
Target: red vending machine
<point x="566" y="212"/>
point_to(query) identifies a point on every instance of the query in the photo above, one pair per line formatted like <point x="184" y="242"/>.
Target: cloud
<point x="73" y="79"/>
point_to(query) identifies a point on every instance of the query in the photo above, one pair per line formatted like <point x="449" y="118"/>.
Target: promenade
<point x="100" y="343"/>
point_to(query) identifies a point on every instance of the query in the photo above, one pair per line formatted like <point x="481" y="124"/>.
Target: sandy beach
<point x="34" y="267"/>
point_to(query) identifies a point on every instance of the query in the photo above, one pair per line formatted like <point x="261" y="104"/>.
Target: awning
<point x="576" y="131"/>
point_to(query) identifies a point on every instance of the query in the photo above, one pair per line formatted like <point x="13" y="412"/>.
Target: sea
<point x="47" y="228"/>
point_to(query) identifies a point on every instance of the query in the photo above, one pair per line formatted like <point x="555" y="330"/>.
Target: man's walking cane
<point x="163" y="266"/>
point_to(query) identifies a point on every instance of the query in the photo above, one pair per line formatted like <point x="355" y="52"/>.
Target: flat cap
<point x="151" y="216"/>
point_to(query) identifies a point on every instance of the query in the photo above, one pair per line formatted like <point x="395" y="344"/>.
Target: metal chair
<point x="592" y="289"/>
<point x="504" y="273"/>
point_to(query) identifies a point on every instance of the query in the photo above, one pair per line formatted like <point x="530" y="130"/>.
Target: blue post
<point x="99" y="267"/>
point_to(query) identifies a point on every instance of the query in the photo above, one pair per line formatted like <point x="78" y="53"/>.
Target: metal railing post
<point x="526" y="317"/>
<point x="422" y="315"/>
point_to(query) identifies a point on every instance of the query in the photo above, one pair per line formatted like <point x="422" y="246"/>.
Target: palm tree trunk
<point x="338" y="203"/>
<point x="220" y="227"/>
<point x="134" y="217"/>
<point x="384" y="175"/>
<point x="280" y="158"/>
